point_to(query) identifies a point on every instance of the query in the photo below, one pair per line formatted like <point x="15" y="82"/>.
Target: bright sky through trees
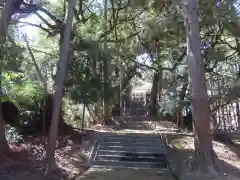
<point x="32" y="32"/>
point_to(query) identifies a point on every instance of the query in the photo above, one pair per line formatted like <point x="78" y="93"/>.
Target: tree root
<point x="205" y="165"/>
<point x="206" y="162"/>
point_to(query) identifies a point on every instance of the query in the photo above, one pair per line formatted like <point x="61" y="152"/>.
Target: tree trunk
<point x="59" y="86"/>
<point x="5" y="19"/>
<point x="83" y="121"/>
<point x="3" y="142"/>
<point x="222" y="108"/>
<point x="43" y="82"/>
<point x="160" y="81"/>
<point x="238" y="113"/>
<point x="94" y="67"/>
<point x="205" y="157"/>
<point x="105" y="69"/>
<point x="83" y="117"/>
<point x="178" y="111"/>
<point x="153" y="95"/>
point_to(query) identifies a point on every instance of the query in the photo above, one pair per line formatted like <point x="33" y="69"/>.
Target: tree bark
<point x="94" y="67"/>
<point x="153" y="95"/>
<point x="160" y="81"/>
<point x="5" y="19"/>
<point x="6" y="15"/>
<point x="178" y="111"/>
<point x="205" y="157"/>
<point x="105" y="69"/>
<point x="59" y="86"/>
<point x="238" y="113"/>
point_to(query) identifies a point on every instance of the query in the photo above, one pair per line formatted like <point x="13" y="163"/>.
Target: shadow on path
<point x="124" y="174"/>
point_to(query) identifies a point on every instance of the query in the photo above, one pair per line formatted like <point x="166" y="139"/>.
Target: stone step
<point x="132" y="143"/>
<point x="129" y="136"/>
<point x="130" y="151"/>
<point x="133" y="158"/>
<point x="138" y="125"/>
<point x="137" y="122"/>
<point x="143" y="119"/>
<point x="126" y="164"/>
<point x="134" y="126"/>
<point x="119" y="141"/>
<point x="138" y="113"/>
<point x="140" y="153"/>
<point x="123" y="140"/>
<point x="133" y="149"/>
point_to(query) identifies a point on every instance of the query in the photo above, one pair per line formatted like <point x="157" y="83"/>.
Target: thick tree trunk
<point x="3" y="142"/>
<point x="64" y="49"/>
<point x="5" y="19"/>
<point x="153" y="95"/>
<point x="204" y="154"/>
<point x="105" y="70"/>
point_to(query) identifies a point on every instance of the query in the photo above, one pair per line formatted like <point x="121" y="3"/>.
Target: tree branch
<point x="35" y="25"/>
<point x="39" y="73"/>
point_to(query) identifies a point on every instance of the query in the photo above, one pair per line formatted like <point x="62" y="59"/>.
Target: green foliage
<point x="87" y="91"/>
<point x="142" y="27"/>
<point x="21" y="90"/>
<point x="12" y="57"/>
<point x="27" y="93"/>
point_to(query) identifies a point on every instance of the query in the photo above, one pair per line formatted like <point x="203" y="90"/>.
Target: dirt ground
<point x="27" y="160"/>
<point x="182" y="149"/>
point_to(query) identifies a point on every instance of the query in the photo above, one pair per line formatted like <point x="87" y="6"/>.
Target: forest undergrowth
<point x="27" y="159"/>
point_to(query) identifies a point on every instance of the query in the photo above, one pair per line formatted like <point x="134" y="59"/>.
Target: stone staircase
<point x="138" y="125"/>
<point x="131" y="150"/>
<point x="137" y="108"/>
